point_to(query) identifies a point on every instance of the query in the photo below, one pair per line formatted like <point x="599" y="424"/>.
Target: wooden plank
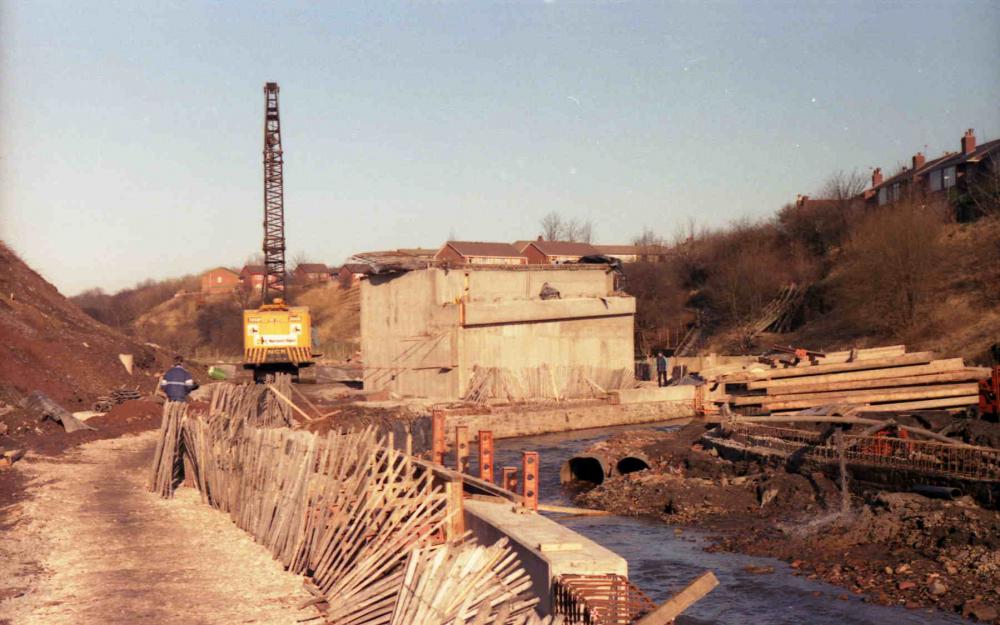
<point x="870" y="396"/>
<point x="673" y="607"/>
<point x="947" y="402"/>
<point x="806" y="418"/>
<point x="290" y="403"/>
<point x="935" y="366"/>
<point x="964" y="375"/>
<point x="918" y="358"/>
<point x="551" y="547"/>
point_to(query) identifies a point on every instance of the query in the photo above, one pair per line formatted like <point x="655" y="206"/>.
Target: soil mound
<point x="48" y="344"/>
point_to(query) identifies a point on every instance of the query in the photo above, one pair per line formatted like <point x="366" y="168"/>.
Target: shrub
<point x="891" y="265"/>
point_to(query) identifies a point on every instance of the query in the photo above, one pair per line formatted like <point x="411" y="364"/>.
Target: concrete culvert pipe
<point x="938" y="492"/>
<point x="591" y="469"/>
<point x="631" y="464"/>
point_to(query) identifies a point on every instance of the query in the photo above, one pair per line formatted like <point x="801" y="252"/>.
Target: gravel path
<point x="91" y="546"/>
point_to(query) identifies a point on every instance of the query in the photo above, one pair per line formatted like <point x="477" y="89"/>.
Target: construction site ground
<point x="87" y="544"/>
<point x="893" y="548"/>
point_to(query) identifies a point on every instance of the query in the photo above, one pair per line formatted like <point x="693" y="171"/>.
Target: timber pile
<point x="544" y="382"/>
<point x="365" y="522"/>
<point x="881" y="379"/>
<point x="121" y="395"/>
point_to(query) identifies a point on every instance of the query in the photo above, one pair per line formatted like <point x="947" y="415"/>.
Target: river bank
<point x="887" y="548"/>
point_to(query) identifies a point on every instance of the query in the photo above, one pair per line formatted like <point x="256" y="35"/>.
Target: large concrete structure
<point x="437" y="333"/>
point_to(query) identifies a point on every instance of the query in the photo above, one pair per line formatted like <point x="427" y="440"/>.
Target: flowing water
<point x="662" y="561"/>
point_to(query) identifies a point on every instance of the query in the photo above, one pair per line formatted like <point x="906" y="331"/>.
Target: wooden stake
<point x="673" y="607"/>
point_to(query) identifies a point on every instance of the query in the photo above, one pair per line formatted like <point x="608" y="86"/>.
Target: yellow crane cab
<point x="277" y="338"/>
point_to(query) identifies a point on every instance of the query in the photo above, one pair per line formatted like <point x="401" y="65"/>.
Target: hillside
<point x="933" y="286"/>
<point x="210" y="327"/>
<point x="47" y="343"/>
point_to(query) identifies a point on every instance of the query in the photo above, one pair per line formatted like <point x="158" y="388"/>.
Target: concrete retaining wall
<point x="511" y="422"/>
<point x="546" y="549"/>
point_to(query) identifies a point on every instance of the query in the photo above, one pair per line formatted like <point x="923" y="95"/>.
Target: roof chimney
<point x="877" y="177"/>
<point x="918" y="160"/>
<point x="800" y="200"/>
<point x="969" y="142"/>
<point x="540" y="238"/>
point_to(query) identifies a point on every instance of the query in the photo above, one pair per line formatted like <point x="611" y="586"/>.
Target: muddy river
<point x="661" y="560"/>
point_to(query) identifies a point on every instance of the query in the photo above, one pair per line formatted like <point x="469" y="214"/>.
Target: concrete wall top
<point x="546" y="549"/>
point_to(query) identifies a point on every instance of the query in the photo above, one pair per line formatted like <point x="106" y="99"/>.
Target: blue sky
<point x="132" y="131"/>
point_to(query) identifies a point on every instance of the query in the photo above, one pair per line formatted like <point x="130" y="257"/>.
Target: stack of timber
<point x="167" y="468"/>
<point x="367" y="524"/>
<point x="879" y="379"/>
<point x="121" y="395"/>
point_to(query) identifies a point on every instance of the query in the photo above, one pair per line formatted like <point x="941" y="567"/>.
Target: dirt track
<point x="91" y="546"/>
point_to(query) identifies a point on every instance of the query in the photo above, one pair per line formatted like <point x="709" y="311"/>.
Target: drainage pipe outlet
<point x="593" y="469"/>
<point x="632" y="463"/>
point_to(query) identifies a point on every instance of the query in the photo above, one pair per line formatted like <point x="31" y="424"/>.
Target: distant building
<point x="635" y="253"/>
<point x="312" y="273"/>
<point x="480" y="253"/>
<point x="252" y="276"/>
<point x="219" y="280"/>
<point x="947" y="176"/>
<point x="350" y="274"/>
<point x="555" y="252"/>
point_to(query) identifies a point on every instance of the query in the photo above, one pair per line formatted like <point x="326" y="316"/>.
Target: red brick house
<point x="635" y="253"/>
<point x="555" y="252"/>
<point x="351" y="273"/>
<point x="480" y="253"/>
<point x="311" y="273"/>
<point x="219" y="280"/>
<point x="252" y="276"/>
<point x="947" y="176"/>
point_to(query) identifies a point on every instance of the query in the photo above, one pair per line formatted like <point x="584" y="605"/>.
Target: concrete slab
<point x="537" y="540"/>
<point x="654" y="394"/>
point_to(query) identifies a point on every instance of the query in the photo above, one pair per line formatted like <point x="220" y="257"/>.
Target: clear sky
<point x="132" y="131"/>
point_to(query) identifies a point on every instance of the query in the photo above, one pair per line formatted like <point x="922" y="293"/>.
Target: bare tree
<point x="552" y="226"/>
<point x="892" y="261"/>
<point x="556" y="228"/>
<point x="300" y="258"/>
<point x="648" y="239"/>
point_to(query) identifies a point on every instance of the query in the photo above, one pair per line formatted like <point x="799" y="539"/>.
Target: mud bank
<point x="891" y="548"/>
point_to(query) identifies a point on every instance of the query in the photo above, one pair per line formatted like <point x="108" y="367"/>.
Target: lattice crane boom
<point x="274" y="196"/>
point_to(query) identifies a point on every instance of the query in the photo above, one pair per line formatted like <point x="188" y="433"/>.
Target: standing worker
<point x="177" y="382"/>
<point x="661" y="369"/>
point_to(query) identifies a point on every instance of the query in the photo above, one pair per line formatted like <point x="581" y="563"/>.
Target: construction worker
<point x="661" y="369"/>
<point x="177" y="383"/>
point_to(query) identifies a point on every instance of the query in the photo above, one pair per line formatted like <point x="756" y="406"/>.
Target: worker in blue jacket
<point x="177" y="382"/>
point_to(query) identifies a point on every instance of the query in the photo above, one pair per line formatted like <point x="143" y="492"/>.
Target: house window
<point x="949" y="177"/>
<point x="935" y="180"/>
<point x="218" y="279"/>
<point x="883" y="196"/>
<point x="896" y="193"/>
